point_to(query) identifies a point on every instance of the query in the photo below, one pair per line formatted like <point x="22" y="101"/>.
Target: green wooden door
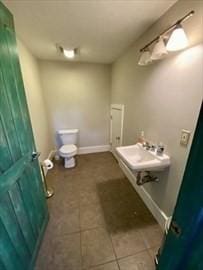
<point x="23" y="209"/>
<point x="183" y="248"/>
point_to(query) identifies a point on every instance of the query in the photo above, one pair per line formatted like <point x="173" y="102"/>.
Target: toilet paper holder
<point x="48" y="164"/>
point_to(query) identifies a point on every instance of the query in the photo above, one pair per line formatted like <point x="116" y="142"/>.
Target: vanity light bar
<point x="187" y="16"/>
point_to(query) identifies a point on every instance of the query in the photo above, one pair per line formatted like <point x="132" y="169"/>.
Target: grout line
<point x="114" y="251"/>
<point x="118" y="264"/>
<point x="141" y="251"/>
<point x="81" y="257"/>
<point x="93" y="228"/>
<point x="101" y="264"/>
<point x="64" y="234"/>
<point x="149" y="253"/>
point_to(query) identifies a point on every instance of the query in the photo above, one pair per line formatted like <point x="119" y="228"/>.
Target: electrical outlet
<point x="185" y="136"/>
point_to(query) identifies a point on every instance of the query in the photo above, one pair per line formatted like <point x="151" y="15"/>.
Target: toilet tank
<point x="68" y="136"/>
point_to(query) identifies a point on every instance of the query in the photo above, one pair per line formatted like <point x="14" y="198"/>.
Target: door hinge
<point x="175" y="228"/>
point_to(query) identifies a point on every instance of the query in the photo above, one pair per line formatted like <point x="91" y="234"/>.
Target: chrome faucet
<point x="146" y="145"/>
<point x="149" y="146"/>
<point x="153" y="147"/>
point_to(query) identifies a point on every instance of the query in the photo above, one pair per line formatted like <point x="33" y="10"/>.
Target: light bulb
<point x="69" y="53"/>
<point x="178" y="39"/>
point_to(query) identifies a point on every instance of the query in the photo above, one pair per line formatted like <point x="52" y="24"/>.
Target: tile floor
<point x="97" y="220"/>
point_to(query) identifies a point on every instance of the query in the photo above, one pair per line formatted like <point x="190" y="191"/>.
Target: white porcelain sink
<point x="139" y="159"/>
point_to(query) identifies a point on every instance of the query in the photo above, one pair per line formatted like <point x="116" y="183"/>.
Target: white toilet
<point x="68" y="149"/>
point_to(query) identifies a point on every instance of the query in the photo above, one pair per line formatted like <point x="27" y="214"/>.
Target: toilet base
<point x="69" y="162"/>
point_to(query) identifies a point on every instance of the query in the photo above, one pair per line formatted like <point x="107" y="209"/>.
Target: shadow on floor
<point x="122" y="207"/>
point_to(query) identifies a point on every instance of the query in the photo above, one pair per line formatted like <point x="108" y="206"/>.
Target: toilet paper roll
<point x="48" y="164"/>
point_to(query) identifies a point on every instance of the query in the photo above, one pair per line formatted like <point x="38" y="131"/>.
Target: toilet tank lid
<point x="67" y="131"/>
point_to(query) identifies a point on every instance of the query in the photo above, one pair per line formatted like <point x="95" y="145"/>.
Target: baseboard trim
<point x="93" y="149"/>
<point x="84" y="150"/>
<point x="158" y="214"/>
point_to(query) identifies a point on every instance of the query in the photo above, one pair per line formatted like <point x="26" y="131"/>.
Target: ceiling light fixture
<point x="69" y="53"/>
<point x="177" y="41"/>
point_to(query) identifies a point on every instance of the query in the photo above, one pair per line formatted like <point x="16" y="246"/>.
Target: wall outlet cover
<point x="185" y="136"/>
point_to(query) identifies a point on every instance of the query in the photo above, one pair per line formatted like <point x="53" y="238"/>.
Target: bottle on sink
<point x="141" y="138"/>
<point x="160" y="149"/>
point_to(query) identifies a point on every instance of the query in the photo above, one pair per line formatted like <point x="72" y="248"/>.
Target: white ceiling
<point x="102" y="29"/>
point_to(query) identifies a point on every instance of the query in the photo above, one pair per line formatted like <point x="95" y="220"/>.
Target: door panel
<point x="6" y="160"/>
<point x="9" y="73"/>
<point x="22" y="216"/>
<point x="116" y="128"/>
<point x="9" y="252"/>
<point x="14" y="231"/>
<point x="30" y="204"/>
<point x="8" y="130"/>
<point x="23" y="209"/>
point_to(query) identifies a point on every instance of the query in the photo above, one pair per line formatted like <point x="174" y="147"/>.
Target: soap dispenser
<point x="160" y="149"/>
<point x="141" y="137"/>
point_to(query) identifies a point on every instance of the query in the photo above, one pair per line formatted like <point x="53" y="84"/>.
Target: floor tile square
<point x="67" y="252"/>
<point x="46" y="254"/>
<point x="152" y="235"/>
<point x="91" y="216"/>
<point x="127" y="243"/>
<point x="96" y="247"/>
<point x="140" y="261"/>
<point x="63" y="222"/>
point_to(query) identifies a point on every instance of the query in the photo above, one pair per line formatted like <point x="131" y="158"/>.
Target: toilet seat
<point x="68" y="150"/>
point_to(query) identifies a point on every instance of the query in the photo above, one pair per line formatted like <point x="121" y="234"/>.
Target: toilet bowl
<point x="68" y="150"/>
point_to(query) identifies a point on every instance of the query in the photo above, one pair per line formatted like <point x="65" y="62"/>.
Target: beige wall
<point x="77" y="96"/>
<point x="35" y="99"/>
<point x="164" y="97"/>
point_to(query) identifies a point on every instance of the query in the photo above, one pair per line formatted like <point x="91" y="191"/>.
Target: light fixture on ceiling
<point x="159" y="49"/>
<point x="68" y="53"/>
<point x="177" y="41"/>
<point x="145" y="58"/>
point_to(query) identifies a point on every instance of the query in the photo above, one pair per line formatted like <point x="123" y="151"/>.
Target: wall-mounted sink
<point x="137" y="158"/>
